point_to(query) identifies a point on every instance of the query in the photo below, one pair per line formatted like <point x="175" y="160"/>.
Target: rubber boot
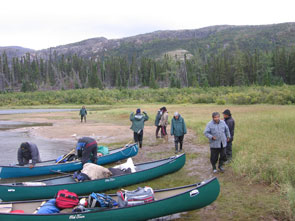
<point x="140" y="144"/>
<point x="180" y="149"/>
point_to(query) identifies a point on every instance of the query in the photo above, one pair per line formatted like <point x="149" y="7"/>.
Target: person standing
<point x="164" y="123"/>
<point x="26" y="152"/>
<point x="87" y="150"/>
<point x="83" y="113"/>
<point x="137" y="126"/>
<point x="178" y="129"/>
<point x="157" y="122"/>
<point x="218" y="134"/>
<point x="230" y="122"/>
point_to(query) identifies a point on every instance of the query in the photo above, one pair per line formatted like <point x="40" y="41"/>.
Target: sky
<point x="39" y="24"/>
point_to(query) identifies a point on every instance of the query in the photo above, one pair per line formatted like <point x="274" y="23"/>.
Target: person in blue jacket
<point x="178" y="129"/>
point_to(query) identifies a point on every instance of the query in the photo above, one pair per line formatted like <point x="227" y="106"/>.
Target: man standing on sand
<point x="164" y="123"/>
<point x="137" y="125"/>
<point x="26" y="152"/>
<point x="178" y="129"/>
<point x="230" y="122"/>
<point x="83" y="113"/>
<point x="218" y="134"/>
<point x="157" y="122"/>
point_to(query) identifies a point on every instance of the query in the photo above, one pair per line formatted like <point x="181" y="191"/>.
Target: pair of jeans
<point x="157" y="131"/>
<point x="228" y="149"/>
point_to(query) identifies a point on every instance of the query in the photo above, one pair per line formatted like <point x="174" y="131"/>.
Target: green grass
<point x="260" y="181"/>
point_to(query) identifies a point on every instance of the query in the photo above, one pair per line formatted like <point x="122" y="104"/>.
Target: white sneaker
<point x="215" y="171"/>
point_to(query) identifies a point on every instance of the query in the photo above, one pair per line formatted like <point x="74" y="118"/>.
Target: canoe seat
<point x="6" y="208"/>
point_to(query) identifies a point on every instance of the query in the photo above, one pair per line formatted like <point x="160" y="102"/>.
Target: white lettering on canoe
<point x="194" y="193"/>
<point x="78" y="216"/>
<point x="11" y="190"/>
<point x="109" y="180"/>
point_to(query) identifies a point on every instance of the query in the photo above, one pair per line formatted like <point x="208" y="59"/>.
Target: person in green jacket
<point x="178" y="129"/>
<point x="83" y="113"/>
<point x="137" y="126"/>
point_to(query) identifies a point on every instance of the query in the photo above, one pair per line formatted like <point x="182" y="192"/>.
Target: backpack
<point x="66" y="199"/>
<point x="136" y="197"/>
<point x="101" y="200"/>
<point x="71" y="157"/>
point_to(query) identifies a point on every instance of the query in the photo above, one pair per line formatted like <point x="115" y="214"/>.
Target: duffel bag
<point x="66" y="199"/>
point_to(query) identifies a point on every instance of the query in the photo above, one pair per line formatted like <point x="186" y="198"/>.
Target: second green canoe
<point x="49" y="187"/>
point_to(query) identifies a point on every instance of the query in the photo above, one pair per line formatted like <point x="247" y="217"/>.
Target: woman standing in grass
<point x="164" y="123"/>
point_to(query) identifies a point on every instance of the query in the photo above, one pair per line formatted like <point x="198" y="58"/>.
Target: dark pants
<point x="83" y="116"/>
<point x="217" y="154"/>
<point x="229" y="150"/>
<point x="178" y="139"/>
<point x="163" y="131"/>
<point x="89" y="153"/>
<point x="157" y="131"/>
<point x="138" y="138"/>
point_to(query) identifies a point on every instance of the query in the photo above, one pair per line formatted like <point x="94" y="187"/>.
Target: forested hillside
<point x="213" y="56"/>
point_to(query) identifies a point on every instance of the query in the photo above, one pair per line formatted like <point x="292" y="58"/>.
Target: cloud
<point x="41" y="24"/>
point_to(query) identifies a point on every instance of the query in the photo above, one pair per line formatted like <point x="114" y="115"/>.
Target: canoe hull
<point x="17" y="171"/>
<point x="18" y="193"/>
<point x="207" y="193"/>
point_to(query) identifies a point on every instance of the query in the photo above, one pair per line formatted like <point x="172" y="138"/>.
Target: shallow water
<point x="27" y="111"/>
<point x="8" y="125"/>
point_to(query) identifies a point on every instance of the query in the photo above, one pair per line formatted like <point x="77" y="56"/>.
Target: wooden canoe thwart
<point x="167" y="202"/>
<point x="47" y="188"/>
<point x="49" y="167"/>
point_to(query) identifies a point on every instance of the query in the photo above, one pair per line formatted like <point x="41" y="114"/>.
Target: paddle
<point x="127" y="144"/>
<point x="65" y="156"/>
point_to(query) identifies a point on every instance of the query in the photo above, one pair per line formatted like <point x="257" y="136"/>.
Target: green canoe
<point x="44" y="189"/>
<point x="168" y="201"/>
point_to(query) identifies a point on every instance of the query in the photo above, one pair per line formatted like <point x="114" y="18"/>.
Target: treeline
<point x="220" y="95"/>
<point x="224" y="68"/>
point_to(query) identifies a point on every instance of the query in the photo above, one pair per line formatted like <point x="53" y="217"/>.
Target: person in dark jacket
<point x="230" y="122"/>
<point x="87" y="150"/>
<point x="83" y="113"/>
<point x="26" y="152"/>
<point x="157" y="122"/>
<point x="218" y="135"/>
<point x="137" y="126"/>
<point x="178" y="129"/>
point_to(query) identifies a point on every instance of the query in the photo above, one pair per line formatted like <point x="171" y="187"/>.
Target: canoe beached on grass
<point x="47" y="188"/>
<point x="50" y="166"/>
<point x="167" y="202"/>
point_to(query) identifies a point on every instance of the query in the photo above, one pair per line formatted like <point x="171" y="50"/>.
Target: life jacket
<point x="66" y="199"/>
<point x="101" y="200"/>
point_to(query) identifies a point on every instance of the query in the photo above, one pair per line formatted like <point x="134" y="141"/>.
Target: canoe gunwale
<point x="137" y="172"/>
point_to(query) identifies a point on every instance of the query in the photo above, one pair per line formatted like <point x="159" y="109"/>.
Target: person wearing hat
<point x="230" y="122"/>
<point x="87" y="150"/>
<point x="137" y="126"/>
<point x="218" y="134"/>
<point x="26" y="152"/>
<point x="178" y="129"/>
